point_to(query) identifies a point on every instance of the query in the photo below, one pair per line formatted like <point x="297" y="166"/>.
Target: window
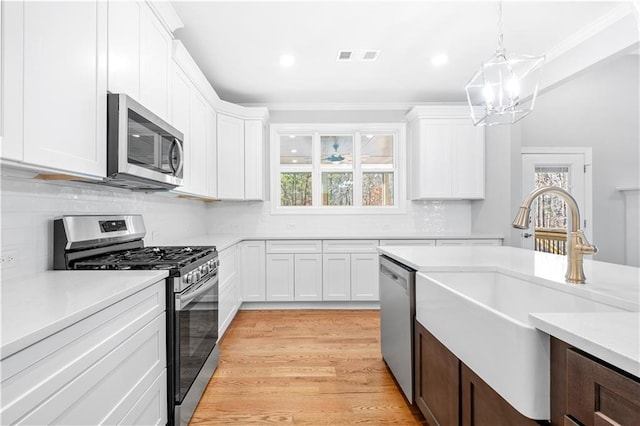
<point x="340" y="168"/>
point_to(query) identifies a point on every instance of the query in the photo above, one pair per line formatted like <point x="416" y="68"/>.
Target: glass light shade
<point x="503" y="90"/>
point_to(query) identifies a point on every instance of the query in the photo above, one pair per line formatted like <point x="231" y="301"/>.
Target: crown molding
<point x="355" y="106"/>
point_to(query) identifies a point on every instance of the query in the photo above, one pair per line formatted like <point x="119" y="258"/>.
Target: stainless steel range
<point x="115" y="243"/>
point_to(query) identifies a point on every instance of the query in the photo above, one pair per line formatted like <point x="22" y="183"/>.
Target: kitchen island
<point x="610" y="333"/>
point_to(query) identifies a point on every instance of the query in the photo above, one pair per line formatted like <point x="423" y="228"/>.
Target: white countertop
<point x="39" y="305"/>
<point x="612" y="337"/>
<point x="223" y="241"/>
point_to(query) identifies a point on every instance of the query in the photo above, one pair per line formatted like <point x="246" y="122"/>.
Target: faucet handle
<point x="583" y="246"/>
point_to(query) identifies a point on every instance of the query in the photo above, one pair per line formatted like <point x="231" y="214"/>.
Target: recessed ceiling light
<point x="287" y="60"/>
<point x="439" y="60"/>
<point x="293" y="151"/>
<point x="294" y="161"/>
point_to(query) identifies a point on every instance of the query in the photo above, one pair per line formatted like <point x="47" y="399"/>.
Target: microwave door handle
<point x="176" y="168"/>
<point x="184" y="300"/>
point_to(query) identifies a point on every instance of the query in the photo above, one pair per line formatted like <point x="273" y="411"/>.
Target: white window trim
<point x="400" y="195"/>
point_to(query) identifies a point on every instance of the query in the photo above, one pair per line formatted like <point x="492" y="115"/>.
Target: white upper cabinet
<point x="253" y="159"/>
<point x="197" y="159"/>
<point x="54" y="112"/>
<point x="139" y="55"/>
<point x="230" y="157"/>
<point x="447" y="154"/>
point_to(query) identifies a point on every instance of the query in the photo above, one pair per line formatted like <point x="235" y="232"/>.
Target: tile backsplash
<point x="29" y="207"/>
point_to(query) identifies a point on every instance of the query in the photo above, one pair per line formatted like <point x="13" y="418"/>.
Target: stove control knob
<point x="185" y="279"/>
<point x="197" y="275"/>
<point x="204" y="269"/>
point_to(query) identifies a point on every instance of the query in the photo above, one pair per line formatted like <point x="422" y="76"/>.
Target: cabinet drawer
<point x="32" y="375"/>
<point x="488" y="242"/>
<point x="350" y="246"/>
<point x="452" y="243"/>
<point x="407" y="242"/>
<point x="599" y="395"/>
<point x="294" y="246"/>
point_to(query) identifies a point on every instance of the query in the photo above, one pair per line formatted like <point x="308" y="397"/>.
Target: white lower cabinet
<point x="294" y="270"/>
<point x="109" y="368"/>
<point x="350" y="270"/>
<point x="252" y="271"/>
<point x="229" y="294"/>
<point x="470" y="242"/>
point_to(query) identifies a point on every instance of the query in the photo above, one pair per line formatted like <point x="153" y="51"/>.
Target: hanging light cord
<point x="500" y="31"/>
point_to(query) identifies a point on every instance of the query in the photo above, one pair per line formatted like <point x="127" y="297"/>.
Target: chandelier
<point x="503" y="90"/>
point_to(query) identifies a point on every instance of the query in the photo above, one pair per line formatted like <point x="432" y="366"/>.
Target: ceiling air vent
<point x="344" y="55"/>
<point x="370" y="55"/>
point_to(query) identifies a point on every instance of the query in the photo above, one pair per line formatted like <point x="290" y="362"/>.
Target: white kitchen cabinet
<point x="280" y="277"/>
<point x="192" y="115"/>
<point x="469" y="242"/>
<point x="109" y="368"/>
<point x="230" y="157"/>
<point x="447" y="154"/>
<point x="253" y="160"/>
<point x="294" y="270"/>
<point x="308" y="276"/>
<point x="212" y="153"/>
<point x="54" y="112"/>
<point x="139" y="57"/>
<point x="350" y="270"/>
<point x="364" y="276"/>
<point x="486" y="242"/>
<point x="336" y="276"/>
<point x="452" y="243"/>
<point x="228" y="283"/>
<point x="253" y="271"/>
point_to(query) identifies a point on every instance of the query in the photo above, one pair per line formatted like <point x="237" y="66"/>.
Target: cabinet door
<point x="253" y="160"/>
<point x="280" y="278"/>
<point x="467" y="159"/>
<point x="212" y="154"/>
<point x="364" y="276"/>
<point x="65" y="85"/>
<point x="336" y="277"/>
<point x="436" y="379"/>
<point x="124" y="48"/>
<point x="308" y="276"/>
<point x="599" y="395"/>
<point x="197" y="143"/>
<point x="481" y="405"/>
<point x="230" y="158"/>
<point x="434" y="162"/>
<point x="12" y="40"/>
<point x="155" y="63"/>
<point x="252" y="270"/>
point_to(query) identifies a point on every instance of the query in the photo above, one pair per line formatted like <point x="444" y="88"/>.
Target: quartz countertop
<point x="612" y="337"/>
<point x="223" y="241"/>
<point x="39" y="305"/>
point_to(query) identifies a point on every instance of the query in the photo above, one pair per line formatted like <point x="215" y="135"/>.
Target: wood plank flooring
<point x="313" y="367"/>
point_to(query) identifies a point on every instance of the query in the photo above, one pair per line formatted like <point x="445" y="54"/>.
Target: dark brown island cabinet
<point x="447" y="392"/>
<point x="587" y="391"/>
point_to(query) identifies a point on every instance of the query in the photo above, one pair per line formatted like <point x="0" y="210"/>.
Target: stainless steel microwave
<point x="143" y="151"/>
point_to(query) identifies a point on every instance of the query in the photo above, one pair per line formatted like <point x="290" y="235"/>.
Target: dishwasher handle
<point x="398" y="280"/>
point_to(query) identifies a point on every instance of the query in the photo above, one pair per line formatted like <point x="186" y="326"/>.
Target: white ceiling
<point x="237" y="44"/>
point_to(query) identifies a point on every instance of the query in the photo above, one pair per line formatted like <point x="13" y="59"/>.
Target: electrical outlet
<point x="291" y="227"/>
<point x="8" y="259"/>
<point x="386" y="226"/>
<point x="155" y="236"/>
<point x="235" y="228"/>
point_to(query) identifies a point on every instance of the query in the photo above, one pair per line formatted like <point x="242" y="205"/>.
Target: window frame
<point x="356" y="130"/>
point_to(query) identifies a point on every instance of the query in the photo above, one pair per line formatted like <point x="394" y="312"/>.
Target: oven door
<point x="196" y="332"/>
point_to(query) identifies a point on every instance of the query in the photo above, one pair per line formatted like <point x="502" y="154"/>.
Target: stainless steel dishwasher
<point x="397" y="310"/>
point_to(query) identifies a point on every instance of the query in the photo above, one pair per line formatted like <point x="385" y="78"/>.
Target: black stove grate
<point x="169" y="257"/>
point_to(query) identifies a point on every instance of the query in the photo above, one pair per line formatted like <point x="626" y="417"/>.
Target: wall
<point x="29" y="206"/>
<point x="597" y="109"/>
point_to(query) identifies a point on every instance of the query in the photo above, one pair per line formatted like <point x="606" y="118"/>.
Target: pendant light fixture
<point x="503" y="90"/>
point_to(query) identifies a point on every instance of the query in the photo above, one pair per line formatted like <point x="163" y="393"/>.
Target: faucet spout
<point x="578" y="244"/>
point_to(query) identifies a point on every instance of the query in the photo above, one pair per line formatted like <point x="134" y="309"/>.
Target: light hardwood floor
<point x="303" y="367"/>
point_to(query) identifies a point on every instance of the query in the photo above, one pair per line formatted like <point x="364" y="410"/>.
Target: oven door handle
<point x="183" y="299"/>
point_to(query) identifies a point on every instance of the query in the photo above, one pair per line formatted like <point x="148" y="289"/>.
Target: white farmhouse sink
<point x="482" y="317"/>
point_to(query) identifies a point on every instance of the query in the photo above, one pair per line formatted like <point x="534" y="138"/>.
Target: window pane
<point x="337" y="189"/>
<point x="295" y="189"/>
<point x="377" y="189"/>
<point x="551" y="210"/>
<point x="295" y="149"/>
<point x="376" y="149"/>
<point x="336" y="149"/>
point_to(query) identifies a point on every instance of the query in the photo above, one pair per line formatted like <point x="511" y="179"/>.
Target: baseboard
<point x="347" y="305"/>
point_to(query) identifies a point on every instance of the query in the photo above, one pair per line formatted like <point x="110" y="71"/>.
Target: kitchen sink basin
<point x="482" y="317"/>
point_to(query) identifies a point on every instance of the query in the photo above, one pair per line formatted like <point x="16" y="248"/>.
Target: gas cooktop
<point x="169" y="257"/>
